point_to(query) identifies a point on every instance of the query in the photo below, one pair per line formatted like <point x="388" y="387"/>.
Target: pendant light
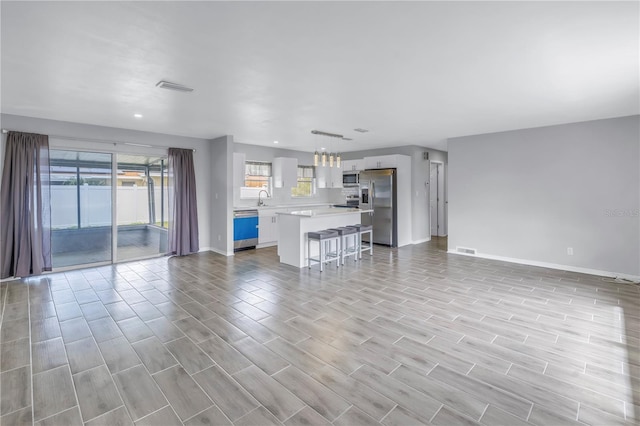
<point x="334" y="158"/>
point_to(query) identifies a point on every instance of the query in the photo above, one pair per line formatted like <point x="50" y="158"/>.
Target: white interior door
<point x="442" y="202"/>
<point x="433" y="198"/>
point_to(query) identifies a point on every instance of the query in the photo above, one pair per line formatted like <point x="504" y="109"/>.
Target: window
<point x="257" y="177"/>
<point x="305" y="186"/>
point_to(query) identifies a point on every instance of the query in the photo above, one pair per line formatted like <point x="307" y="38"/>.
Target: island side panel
<point x="292" y="234"/>
<point x="289" y="239"/>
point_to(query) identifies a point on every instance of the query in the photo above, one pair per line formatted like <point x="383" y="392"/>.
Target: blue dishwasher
<point x="245" y="229"/>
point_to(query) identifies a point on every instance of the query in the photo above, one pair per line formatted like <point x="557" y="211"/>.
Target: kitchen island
<point x="294" y="226"/>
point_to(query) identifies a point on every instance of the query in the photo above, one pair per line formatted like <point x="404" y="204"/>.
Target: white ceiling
<point x="412" y="73"/>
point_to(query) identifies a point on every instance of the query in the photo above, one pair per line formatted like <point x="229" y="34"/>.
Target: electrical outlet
<point x="570" y="251"/>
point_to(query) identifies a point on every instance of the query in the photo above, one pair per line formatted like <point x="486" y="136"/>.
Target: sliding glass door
<point x="142" y="206"/>
<point x="81" y="221"/>
<point x="86" y="228"/>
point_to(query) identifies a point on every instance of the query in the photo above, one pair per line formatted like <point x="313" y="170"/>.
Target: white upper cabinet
<point x="328" y="177"/>
<point x="353" y="165"/>
<point x="238" y="171"/>
<point x="285" y="172"/>
<point x="383" y="161"/>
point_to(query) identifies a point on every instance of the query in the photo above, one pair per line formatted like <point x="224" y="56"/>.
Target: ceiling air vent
<point x="173" y="86"/>
<point x="360" y="130"/>
<point x="466" y="250"/>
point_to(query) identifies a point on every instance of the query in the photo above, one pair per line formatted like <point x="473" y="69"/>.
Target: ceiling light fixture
<point x="137" y="115"/>
<point x="333" y="157"/>
<point x="173" y="86"/>
<point x="321" y="133"/>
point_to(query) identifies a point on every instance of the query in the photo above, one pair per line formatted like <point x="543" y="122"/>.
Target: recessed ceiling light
<point x="173" y="86"/>
<point x="137" y="115"/>
<point x="361" y="130"/>
<point x="323" y="148"/>
<point x="275" y="141"/>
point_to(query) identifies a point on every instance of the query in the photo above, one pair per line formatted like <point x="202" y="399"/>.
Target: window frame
<point x="248" y="192"/>
<point x="302" y="179"/>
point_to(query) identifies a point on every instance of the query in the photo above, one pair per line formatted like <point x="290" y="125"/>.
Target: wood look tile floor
<point x="408" y="336"/>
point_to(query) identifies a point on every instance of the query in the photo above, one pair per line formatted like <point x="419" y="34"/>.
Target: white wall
<point x="87" y="135"/>
<point x="282" y="196"/>
<point x="420" y="175"/>
<point x="530" y="194"/>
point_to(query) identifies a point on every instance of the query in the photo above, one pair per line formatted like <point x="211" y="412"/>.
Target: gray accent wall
<point x="221" y="193"/>
<point x="420" y="176"/>
<point x="532" y="194"/>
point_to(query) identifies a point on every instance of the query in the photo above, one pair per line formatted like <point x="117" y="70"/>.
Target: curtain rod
<point x="108" y="141"/>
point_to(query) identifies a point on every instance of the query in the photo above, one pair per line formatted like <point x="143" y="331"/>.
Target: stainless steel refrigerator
<point x="378" y="192"/>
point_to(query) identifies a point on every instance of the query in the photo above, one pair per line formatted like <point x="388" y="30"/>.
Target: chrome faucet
<point x="260" y="202"/>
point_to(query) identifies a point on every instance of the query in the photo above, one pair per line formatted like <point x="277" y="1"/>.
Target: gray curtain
<point x="25" y="234"/>
<point x="183" y="212"/>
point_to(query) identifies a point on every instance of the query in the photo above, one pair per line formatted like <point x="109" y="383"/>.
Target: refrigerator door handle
<point x="373" y="198"/>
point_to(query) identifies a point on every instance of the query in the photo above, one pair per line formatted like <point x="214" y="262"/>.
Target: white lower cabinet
<point x="268" y="228"/>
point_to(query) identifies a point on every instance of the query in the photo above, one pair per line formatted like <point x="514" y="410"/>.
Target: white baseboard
<point x="569" y="268"/>
<point x="424" y="240"/>
<point x="263" y="245"/>
<point x="215" y="250"/>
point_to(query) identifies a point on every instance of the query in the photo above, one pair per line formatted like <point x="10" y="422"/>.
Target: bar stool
<point x="324" y="238"/>
<point x="364" y="229"/>
<point x="348" y="242"/>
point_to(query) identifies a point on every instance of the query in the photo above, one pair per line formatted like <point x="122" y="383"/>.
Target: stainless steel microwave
<point x="350" y="178"/>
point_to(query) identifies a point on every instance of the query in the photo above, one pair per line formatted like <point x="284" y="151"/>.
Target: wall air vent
<point x="360" y="130"/>
<point x="173" y="86"/>
<point x="465" y="250"/>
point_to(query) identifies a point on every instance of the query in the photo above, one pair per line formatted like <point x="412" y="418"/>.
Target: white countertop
<point x="324" y="212"/>
<point x="283" y="206"/>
